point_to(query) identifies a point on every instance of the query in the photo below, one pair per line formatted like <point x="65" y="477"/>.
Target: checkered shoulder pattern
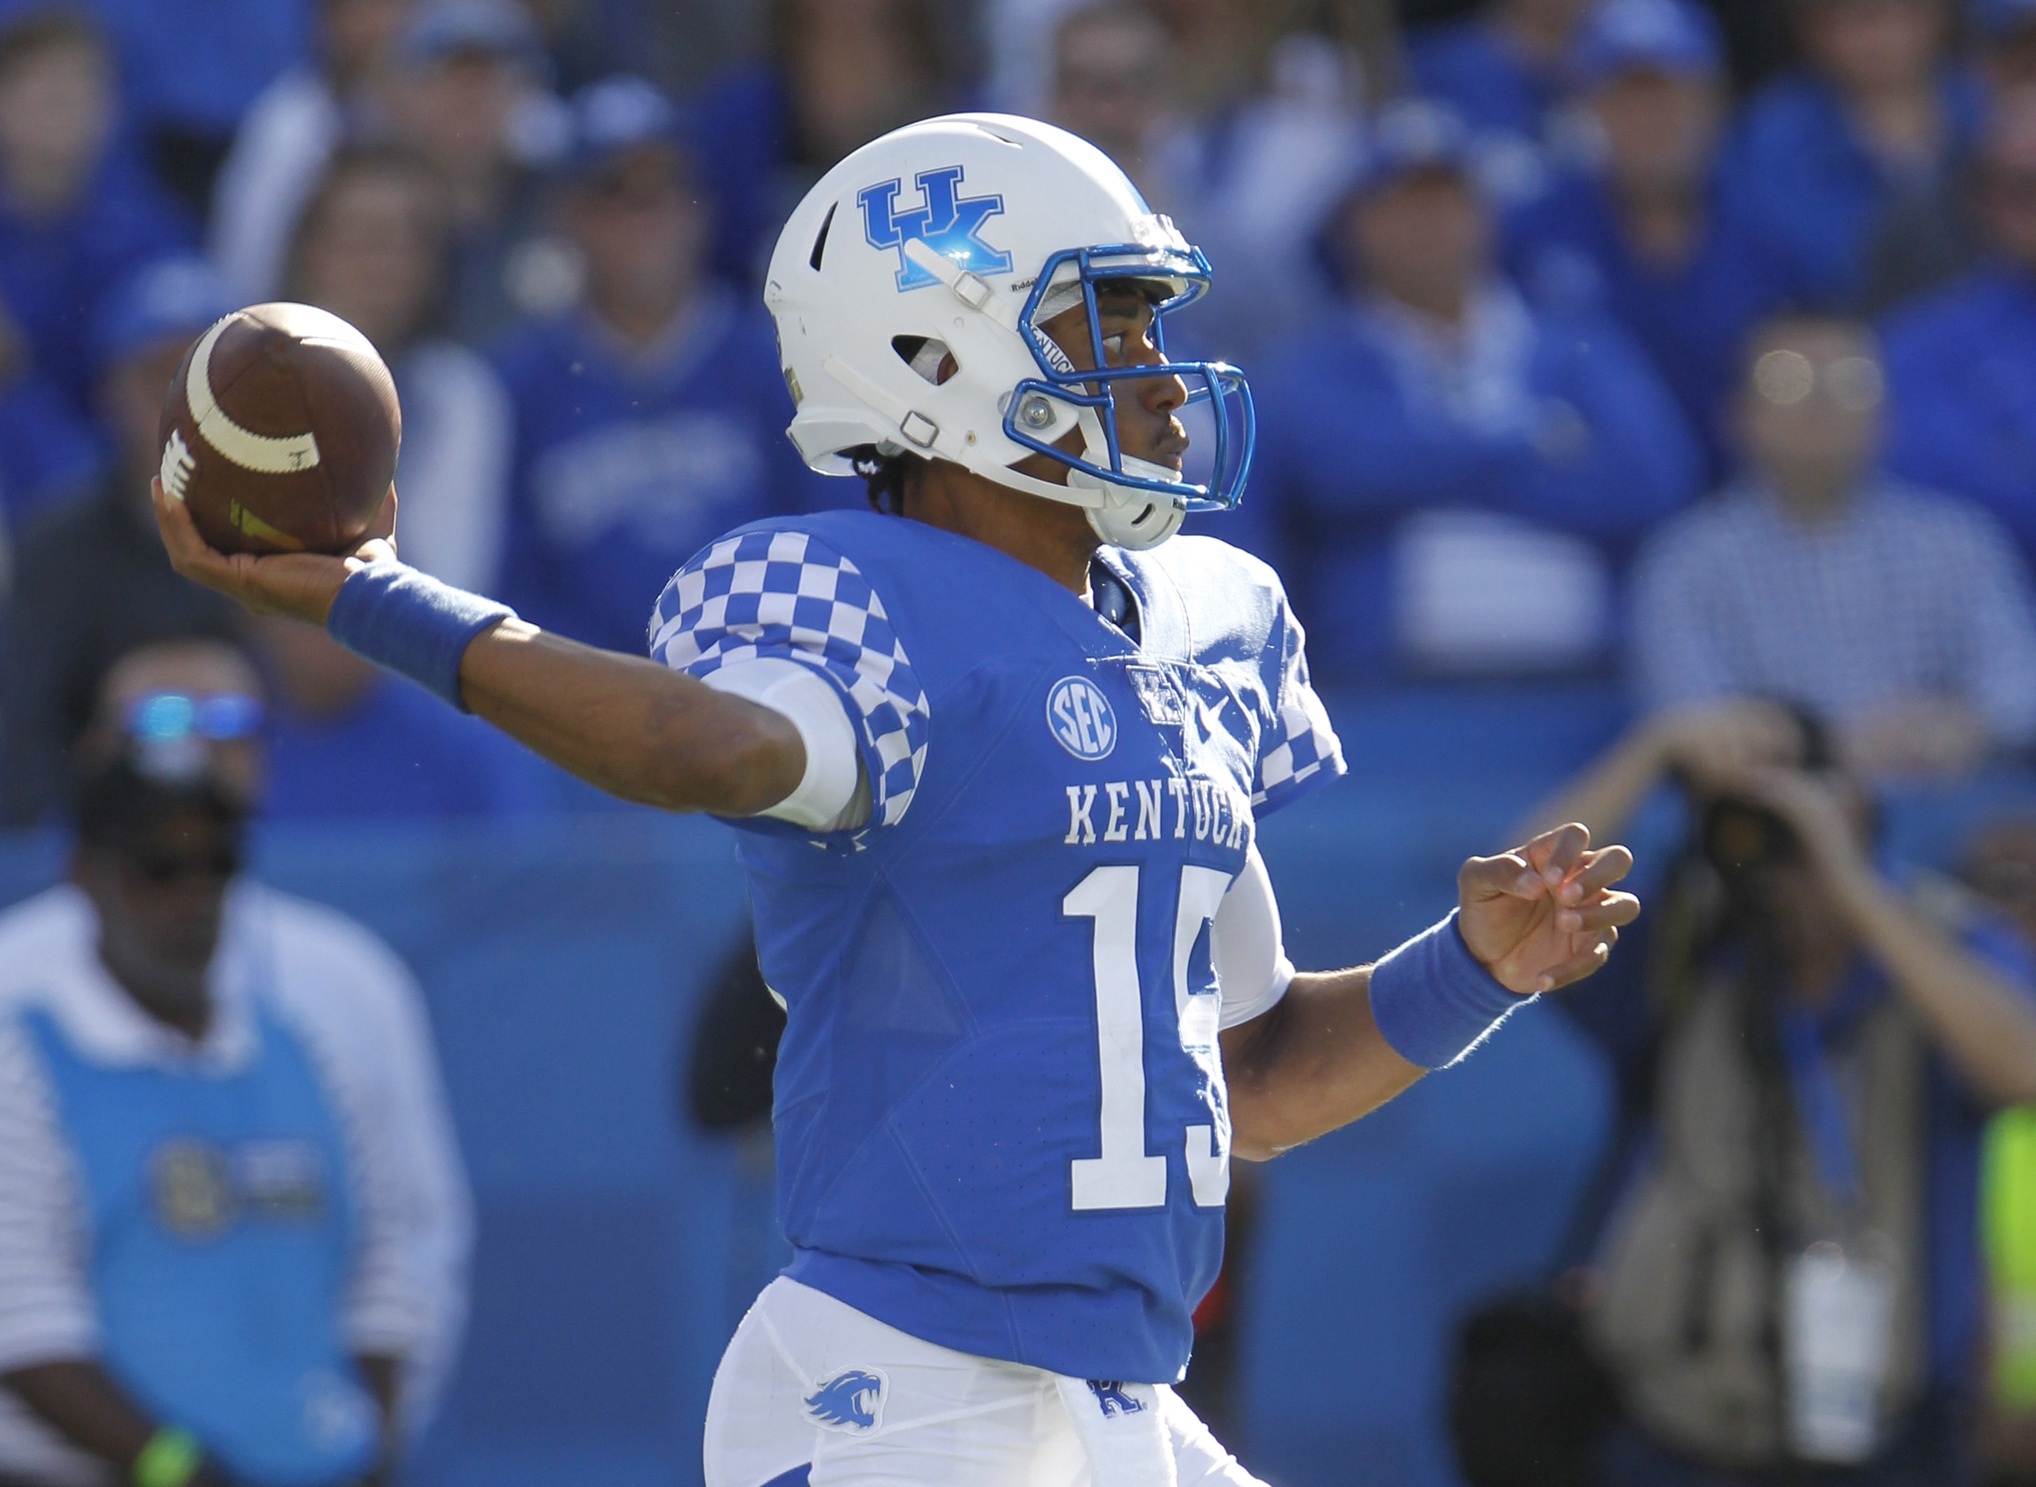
<point x="788" y="594"/>
<point x="1299" y="750"/>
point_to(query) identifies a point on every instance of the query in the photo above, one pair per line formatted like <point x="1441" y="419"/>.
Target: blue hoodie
<point x="1351" y="446"/>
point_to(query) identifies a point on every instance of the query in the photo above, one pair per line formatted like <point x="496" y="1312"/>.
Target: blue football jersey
<point x="1000" y="1112"/>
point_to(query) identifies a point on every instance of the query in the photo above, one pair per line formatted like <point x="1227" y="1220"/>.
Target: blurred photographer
<point x="1809" y="1038"/>
<point x="233" y="1225"/>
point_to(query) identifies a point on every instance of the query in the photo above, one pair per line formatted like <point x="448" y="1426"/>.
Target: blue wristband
<point x="411" y="623"/>
<point x="1433" y="1002"/>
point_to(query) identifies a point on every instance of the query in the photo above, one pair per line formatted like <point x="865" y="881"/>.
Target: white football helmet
<point x="960" y="236"/>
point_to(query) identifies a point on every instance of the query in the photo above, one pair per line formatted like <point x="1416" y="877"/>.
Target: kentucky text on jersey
<point x="1201" y="807"/>
<point x="1000" y="1111"/>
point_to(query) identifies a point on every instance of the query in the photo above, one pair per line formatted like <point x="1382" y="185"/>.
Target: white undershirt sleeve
<point x="834" y="793"/>
<point x="1245" y="943"/>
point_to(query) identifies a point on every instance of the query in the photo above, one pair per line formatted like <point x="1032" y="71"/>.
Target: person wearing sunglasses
<point x="233" y="1223"/>
<point x="1899" y="613"/>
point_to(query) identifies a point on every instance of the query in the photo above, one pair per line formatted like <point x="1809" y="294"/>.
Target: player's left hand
<point x="1545" y="915"/>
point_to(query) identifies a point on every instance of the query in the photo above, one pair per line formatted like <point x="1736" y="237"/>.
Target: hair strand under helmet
<point x="948" y="244"/>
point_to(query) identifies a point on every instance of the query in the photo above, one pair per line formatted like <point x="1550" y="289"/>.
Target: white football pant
<point x="813" y="1391"/>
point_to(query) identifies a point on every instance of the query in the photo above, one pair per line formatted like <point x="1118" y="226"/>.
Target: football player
<point x="997" y="750"/>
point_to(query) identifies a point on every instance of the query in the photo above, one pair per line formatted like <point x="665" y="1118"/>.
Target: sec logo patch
<point x="1080" y="717"/>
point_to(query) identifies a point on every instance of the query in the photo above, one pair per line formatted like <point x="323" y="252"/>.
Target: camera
<point x="1740" y="838"/>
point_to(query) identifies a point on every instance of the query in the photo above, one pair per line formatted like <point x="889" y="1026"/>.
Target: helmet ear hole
<point x="929" y="358"/>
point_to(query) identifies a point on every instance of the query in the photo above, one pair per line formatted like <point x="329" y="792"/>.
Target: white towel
<point x="1123" y="1432"/>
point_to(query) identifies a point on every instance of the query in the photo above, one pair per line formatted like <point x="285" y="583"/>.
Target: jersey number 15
<point x="1125" y="1175"/>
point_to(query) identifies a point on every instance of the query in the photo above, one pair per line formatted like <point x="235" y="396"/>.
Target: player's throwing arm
<point x="999" y="748"/>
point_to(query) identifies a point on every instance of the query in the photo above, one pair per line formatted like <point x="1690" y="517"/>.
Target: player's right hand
<point x="300" y="585"/>
<point x="1545" y="914"/>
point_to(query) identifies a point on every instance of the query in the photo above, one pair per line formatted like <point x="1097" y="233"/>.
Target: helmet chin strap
<point x="1122" y="515"/>
<point x="1130" y="517"/>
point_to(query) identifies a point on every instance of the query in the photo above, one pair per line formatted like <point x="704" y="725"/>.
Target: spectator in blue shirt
<point x="1901" y="616"/>
<point x="1505" y="72"/>
<point x="837" y="76"/>
<point x="1107" y="82"/>
<point x="651" y="418"/>
<point x="76" y="214"/>
<point x="1652" y="237"/>
<point x="1879" y="116"/>
<point x="1241" y="126"/>
<point x="1962" y="360"/>
<point x="1437" y="450"/>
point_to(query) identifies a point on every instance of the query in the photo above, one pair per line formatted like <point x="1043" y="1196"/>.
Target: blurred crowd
<point x="1689" y="347"/>
<point x="1685" y="350"/>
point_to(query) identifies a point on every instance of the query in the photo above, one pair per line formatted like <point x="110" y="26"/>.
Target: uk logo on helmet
<point x="946" y="221"/>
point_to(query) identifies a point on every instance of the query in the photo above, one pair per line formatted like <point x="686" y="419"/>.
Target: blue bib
<point x="1000" y="1111"/>
<point x="221" y="1232"/>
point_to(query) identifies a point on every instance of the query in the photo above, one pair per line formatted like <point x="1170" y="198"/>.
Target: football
<point x="280" y="432"/>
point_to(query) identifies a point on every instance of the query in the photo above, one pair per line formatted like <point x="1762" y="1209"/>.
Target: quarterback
<point x="996" y="750"/>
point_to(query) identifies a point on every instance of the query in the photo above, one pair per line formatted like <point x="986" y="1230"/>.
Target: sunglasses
<point x="163" y="717"/>
<point x="1786" y="379"/>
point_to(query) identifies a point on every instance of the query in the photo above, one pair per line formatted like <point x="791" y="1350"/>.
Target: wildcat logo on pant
<point x="853" y="1400"/>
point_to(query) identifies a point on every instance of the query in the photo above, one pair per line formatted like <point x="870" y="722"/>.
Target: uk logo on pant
<point x="1112" y="1400"/>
